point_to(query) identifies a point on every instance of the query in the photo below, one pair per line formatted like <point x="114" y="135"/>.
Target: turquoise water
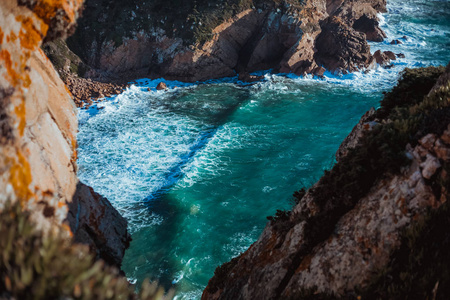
<point x="197" y="169"/>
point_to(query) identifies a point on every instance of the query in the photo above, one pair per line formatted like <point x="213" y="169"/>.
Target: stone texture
<point x="342" y="49"/>
<point x="37" y="165"/>
<point x="382" y="58"/>
<point x="365" y="124"/>
<point x="38" y="131"/>
<point x="280" y="35"/>
<point x="369" y="26"/>
<point x="96" y="223"/>
<point x="161" y="86"/>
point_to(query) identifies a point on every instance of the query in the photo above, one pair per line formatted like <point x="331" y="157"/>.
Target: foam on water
<point x="196" y="169"/>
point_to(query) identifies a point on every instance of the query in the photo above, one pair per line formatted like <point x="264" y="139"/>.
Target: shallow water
<point x="197" y="169"/>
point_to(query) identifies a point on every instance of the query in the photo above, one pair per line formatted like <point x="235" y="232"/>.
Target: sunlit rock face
<point x="192" y="41"/>
<point x="39" y="124"/>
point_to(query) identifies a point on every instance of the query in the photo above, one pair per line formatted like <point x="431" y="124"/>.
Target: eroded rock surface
<point x="289" y="36"/>
<point x="96" y="223"/>
<point x="38" y="128"/>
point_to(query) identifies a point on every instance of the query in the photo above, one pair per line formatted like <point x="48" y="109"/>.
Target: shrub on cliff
<point x="34" y="265"/>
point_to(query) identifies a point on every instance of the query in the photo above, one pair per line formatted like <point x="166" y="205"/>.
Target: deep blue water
<point x="197" y="169"/>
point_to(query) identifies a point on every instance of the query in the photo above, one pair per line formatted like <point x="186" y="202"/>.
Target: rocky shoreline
<point x="384" y="195"/>
<point x="85" y="90"/>
<point x="301" y="37"/>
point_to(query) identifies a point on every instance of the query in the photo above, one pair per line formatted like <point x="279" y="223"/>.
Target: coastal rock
<point x="96" y="223"/>
<point x="161" y="86"/>
<point x="324" y="248"/>
<point x="365" y="124"/>
<point x="319" y="71"/>
<point x="38" y="131"/>
<point x="396" y="42"/>
<point x="246" y="77"/>
<point x="383" y="58"/>
<point x="341" y="48"/>
<point x="218" y="43"/>
<point x="369" y="26"/>
<point x="38" y="149"/>
<point x="389" y="54"/>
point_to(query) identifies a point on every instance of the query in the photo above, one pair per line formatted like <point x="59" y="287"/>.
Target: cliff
<point x="199" y="40"/>
<point x="373" y="227"/>
<point x="38" y="132"/>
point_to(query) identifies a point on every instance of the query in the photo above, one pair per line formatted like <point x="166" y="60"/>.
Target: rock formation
<point x="199" y="40"/>
<point x="38" y="130"/>
<point x="359" y="232"/>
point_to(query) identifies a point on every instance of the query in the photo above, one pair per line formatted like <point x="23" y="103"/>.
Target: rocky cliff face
<point x="198" y="40"/>
<point x="370" y="227"/>
<point x="38" y="130"/>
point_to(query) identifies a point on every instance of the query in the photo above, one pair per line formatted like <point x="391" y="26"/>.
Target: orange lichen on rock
<point x="21" y="116"/>
<point x="47" y="9"/>
<point x="20" y="177"/>
<point x="11" y="74"/>
<point x="29" y="35"/>
<point x="15" y="75"/>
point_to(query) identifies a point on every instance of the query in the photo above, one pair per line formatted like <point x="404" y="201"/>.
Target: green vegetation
<point x="61" y="57"/>
<point x="382" y="150"/>
<point x="38" y="266"/>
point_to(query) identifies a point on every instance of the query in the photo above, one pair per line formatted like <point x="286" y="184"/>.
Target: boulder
<point x="384" y="58"/>
<point x="161" y="86"/>
<point x="369" y="26"/>
<point x="396" y="42"/>
<point x="342" y="49"/>
<point x="390" y="55"/>
<point x="96" y="223"/>
<point x="319" y="71"/>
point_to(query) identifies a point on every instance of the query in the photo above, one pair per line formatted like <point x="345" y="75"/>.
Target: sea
<point x="197" y="169"/>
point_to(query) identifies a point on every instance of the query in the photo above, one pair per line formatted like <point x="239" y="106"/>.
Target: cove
<point x="197" y="169"/>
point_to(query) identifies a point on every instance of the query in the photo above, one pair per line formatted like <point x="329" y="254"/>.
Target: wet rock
<point x="390" y="55"/>
<point x="342" y="49"/>
<point x="369" y="26"/>
<point x="400" y="55"/>
<point x="246" y="77"/>
<point x="396" y="42"/>
<point x="319" y="71"/>
<point x="161" y="86"/>
<point x="381" y="58"/>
